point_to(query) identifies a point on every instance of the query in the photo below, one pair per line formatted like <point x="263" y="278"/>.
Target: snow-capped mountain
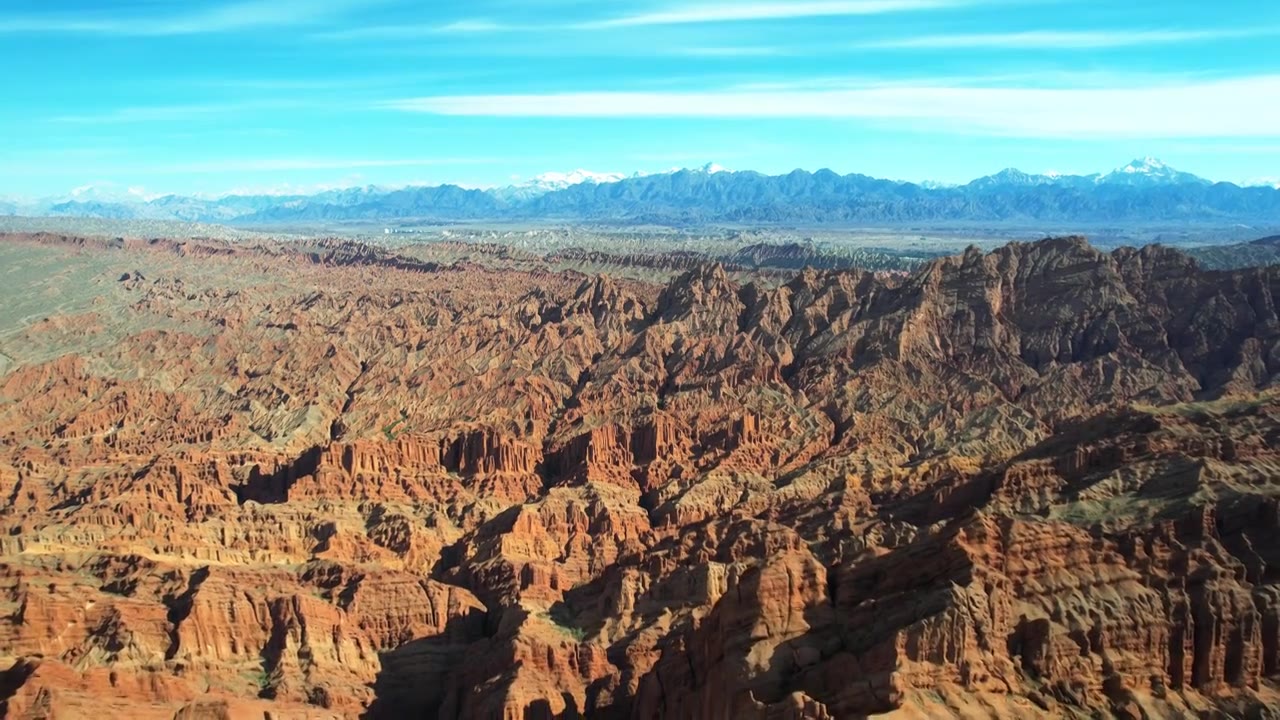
<point x="1149" y="171"/>
<point x="104" y="199"/>
<point x="107" y="192"/>
<point x="1145" y="172"/>
<point x="550" y="182"/>
<point x="1141" y="190"/>
<point x="1012" y="177"/>
<point x="553" y="181"/>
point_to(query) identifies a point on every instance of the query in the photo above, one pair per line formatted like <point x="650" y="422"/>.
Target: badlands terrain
<point x="249" y="479"/>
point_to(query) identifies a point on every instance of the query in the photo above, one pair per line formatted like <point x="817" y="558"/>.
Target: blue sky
<point x="210" y="96"/>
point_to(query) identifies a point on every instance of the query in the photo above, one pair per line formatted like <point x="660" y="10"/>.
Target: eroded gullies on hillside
<point x="325" y="479"/>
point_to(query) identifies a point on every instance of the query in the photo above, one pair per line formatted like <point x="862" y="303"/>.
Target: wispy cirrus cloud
<point x="258" y="165"/>
<point x="474" y="26"/>
<point x="756" y="11"/>
<point x="723" y="12"/>
<point x="730" y="51"/>
<point x="216" y="18"/>
<point x="1234" y="107"/>
<point x="329" y="82"/>
<point x="1022" y="77"/>
<point x="1064" y="39"/>
<point x="169" y="113"/>
<point x="1211" y="148"/>
<point x="248" y="166"/>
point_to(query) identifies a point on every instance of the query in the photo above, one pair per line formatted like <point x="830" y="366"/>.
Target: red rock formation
<point x="331" y="480"/>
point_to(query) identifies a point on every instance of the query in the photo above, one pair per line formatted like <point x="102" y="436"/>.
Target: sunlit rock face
<point x="335" y="480"/>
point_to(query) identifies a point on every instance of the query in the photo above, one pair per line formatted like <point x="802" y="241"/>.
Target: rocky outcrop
<point x="482" y="452"/>
<point x="327" y="480"/>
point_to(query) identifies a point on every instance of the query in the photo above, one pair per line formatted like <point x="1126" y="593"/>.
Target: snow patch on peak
<point x="553" y="181"/>
<point x="560" y="181"/>
<point x="1149" y="171"/>
<point x="550" y="182"/>
<point x="1146" y="166"/>
<point x="708" y="169"/>
<point x="110" y="192"/>
<point x="1013" y="177"/>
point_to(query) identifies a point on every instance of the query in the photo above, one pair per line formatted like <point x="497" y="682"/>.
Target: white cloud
<point x="472" y="26"/>
<point x="107" y="191"/>
<point x="406" y="31"/>
<point x="1064" y="40"/>
<point x="675" y="15"/>
<point x="1238" y="107"/>
<point x="249" y="165"/>
<point x="747" y="11"/>
<point x="1234" y="148"/>
<point x="223" y="17"/>
<point x="162" y="113"/>
<point x="354" y="180"/>
<point x="729" y="52"/>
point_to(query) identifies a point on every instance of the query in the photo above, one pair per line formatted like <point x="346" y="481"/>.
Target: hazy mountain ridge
<point x="1144" y="190"/>
<point x="1258" y="253"/>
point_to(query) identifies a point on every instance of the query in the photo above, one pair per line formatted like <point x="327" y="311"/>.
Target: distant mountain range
<point x="1259" y="253"/>
<point x="1145" y="190"/>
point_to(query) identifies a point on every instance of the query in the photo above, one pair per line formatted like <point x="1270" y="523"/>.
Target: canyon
<point x="326" y="480"/>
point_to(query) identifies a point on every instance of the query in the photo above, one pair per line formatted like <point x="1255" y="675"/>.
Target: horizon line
<point x="289" y="190"/>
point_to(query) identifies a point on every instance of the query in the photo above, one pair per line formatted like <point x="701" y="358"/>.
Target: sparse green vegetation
<point x="1224" y="406"/>
<point x="560" y="618"/>
<point x="396" y="428"/>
